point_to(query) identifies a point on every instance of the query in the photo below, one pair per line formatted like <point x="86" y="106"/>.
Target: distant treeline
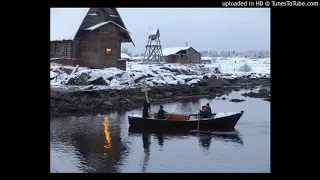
<point x="246" y="54"/>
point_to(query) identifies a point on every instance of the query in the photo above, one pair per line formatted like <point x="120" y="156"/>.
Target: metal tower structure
<point x="153" y="53"/>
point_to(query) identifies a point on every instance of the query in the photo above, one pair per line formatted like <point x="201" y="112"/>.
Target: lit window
<point x="108" y="51"/>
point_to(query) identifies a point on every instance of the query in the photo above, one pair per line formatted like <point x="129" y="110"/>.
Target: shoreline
<point x="64" y="102"/>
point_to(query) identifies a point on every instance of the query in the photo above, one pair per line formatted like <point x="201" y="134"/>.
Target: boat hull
<point x="226" y="122"/>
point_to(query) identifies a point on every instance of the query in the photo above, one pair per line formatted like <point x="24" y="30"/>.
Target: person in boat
<point x="201" y="113"/>
<point x="209" y="108"/>
<point x="161" y="113"/>
<point x="145" y="110"/>
<point x="205" y="112"/>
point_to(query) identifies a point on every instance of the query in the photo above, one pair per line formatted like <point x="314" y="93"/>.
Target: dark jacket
<point x="206" y="113"/>
<point x="201" y="113"/>
<point x="145" y="109"/>
<point x="209" y="108"/>
<point x="145" y="113"/>
<point x="161" y="114"/>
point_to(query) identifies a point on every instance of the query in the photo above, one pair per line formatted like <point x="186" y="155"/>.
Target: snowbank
<point x="158" y="74"/>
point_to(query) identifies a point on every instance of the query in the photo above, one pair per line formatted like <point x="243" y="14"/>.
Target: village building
<point x="122" y="62"/>
<point x="181" y="55"/>
<point x="89" y="37"/>
<point x="206" y="60"/>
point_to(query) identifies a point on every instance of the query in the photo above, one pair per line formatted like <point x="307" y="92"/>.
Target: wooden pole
<point x="198" y="122"/>
<point x="145" y="89"/>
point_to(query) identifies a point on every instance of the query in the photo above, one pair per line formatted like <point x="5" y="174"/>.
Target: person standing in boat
<point x="209" y="108"/>
<point x="161" y="113"/>
<point x="145" y="110"/>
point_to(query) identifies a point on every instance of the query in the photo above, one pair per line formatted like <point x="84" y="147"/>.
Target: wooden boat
<point x="182" y="121"/>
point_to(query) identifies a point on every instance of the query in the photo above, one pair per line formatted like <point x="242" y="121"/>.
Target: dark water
<point x="99" y="144"/>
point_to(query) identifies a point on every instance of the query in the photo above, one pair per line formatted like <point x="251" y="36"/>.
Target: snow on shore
<point x="157" y="74"/>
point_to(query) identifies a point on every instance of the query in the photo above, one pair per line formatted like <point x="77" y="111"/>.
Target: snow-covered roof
<point x="104" y="23"/>
<point x="137" y="58"/>
<point x="65" y="22"/>
<point x="125" y="56"/>
<point x="173" y="50"/>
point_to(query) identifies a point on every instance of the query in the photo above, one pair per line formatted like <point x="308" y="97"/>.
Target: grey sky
<point x="217" y="29"/>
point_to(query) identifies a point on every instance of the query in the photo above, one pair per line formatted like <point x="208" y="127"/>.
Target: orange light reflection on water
<point x="107" y="141"/>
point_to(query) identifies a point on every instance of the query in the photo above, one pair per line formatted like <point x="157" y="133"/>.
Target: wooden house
<point x="181" y="55"/>
<point x="90" y="37"/>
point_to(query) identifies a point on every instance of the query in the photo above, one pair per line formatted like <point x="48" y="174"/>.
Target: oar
<point x="198" y="122"/>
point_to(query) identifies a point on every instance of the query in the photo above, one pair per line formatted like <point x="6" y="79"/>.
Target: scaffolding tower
<point x="153" y="53"/>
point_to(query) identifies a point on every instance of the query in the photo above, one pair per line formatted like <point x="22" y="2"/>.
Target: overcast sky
<point x="217" y="29"/>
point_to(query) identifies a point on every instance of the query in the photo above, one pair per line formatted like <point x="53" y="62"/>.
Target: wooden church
<point x="89" y="37"/>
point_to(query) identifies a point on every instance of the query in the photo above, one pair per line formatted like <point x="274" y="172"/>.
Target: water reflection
<point x="107" y="142"/>
<point x="98" y="144"/>
<point x="205" y="141"/>
<point x="227" y="136"/>
<point x="160" y="137"/>
<point x="204" y="137"/>
<point x="146" y="145"/>
<point x="231" y="136"/>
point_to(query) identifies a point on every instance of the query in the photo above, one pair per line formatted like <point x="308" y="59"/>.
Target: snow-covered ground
<point x="113" y="78"/>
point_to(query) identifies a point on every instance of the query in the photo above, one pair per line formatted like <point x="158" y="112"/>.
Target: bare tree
<point x="126" y="51"/>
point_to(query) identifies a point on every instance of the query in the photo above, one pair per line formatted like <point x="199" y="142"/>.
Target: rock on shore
<point x="106" y="100"/>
